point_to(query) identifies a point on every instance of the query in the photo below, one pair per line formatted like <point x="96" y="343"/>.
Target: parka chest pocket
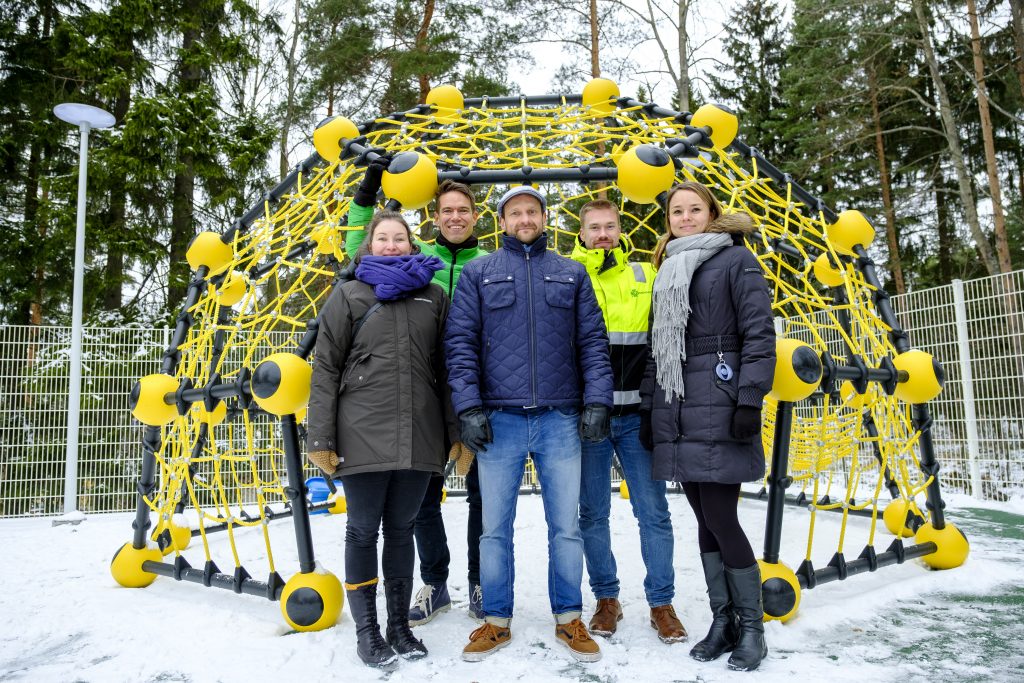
<point x="560" y="290"/>
<point x="356" y="372"/>
<point x="498" y="291"/>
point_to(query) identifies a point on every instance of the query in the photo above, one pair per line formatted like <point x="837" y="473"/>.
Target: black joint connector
<point x="806" y="571"/>
<point x="889" y="385"/>
<point x="869" y="554"/>
<point x="209" y="402"/>
<point x="762" y="493"/>
<point x="801" y="499"/>
<point x="824" y="500"/>
<point x="897" y="549"/>
<point x="181" y="403"/>
<point x="209" y="569"/>
<point x="291" y="493"/>
<point x="861" y="382"/>
<point x="240" y="577"/>
<point x="275" y="584"/>
<point x="180" y="565"/>
<point x="828" y="373"/>
<point x="244" y="390"/>
<point x="839" y="562"/>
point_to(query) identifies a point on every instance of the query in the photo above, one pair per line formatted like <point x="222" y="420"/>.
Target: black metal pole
<point x="146" y="484"/>
<point x="778" y="481"/>
<point x="296" y="493"/>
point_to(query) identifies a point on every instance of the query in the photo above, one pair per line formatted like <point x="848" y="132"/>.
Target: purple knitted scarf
<point x="395" y="277"/>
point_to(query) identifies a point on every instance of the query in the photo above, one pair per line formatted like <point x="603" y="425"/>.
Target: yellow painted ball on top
<point x="447" y="101"/>
<point x="211" y="418"/>
<point x="895" y="518"/>
<point x="312" y="601"/>
<point x="721" y="120"/>
<point x="780" y="591"/>
<point x="411" y="180"/>
<point x="826" y="273"/>
<point x="624" y="490"/>
<point x="338" y="504"/>
<point x="328" y="135"/>
<point x="280" y="384"/>
<point x="952" y="545"/>
<point x="207" y="249"/>
<point x="126" y="566"/>
<point x="797" y="370"/>
<point x="925" y="376"/>
<point x="851" y="229"/>
<point x="147" y="403"/>
<point x="645" y="171"/>
<point x="600" y="94"/>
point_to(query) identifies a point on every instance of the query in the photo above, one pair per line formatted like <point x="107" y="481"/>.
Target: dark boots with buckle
<point x="398" y="593"/>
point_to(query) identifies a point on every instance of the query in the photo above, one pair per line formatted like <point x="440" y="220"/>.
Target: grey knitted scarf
<point x="672" y="304"/>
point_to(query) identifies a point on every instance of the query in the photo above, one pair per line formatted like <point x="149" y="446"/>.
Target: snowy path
<point x="64" y="618"/>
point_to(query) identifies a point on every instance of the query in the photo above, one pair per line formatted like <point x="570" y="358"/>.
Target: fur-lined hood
<point x="732" y="224"/>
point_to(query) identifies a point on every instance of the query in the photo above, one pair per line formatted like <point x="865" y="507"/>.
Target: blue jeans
<point x="650" y="507"/>
<point x="551" y="436"/>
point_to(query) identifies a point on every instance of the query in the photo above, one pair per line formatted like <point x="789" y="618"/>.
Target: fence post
<point x="970" y="417"/>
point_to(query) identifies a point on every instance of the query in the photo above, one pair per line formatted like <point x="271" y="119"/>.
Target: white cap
<point x="518" y="190"/>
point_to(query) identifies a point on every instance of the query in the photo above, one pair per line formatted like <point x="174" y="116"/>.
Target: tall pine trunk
<point x="895" y="263"/>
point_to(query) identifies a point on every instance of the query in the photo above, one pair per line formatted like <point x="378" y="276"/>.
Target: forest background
<point x="910" y="110"/>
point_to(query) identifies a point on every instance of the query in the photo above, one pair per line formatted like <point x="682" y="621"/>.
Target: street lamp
<point x="86" y="117"/>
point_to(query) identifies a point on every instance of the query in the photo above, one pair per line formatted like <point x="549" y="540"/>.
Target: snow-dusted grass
<point x="65" y="619"/>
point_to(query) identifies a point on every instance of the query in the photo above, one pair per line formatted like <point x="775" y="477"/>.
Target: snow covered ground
<point x="65" y="619"/>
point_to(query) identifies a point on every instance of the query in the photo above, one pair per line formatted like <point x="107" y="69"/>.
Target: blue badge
<point x="723" y="371"/>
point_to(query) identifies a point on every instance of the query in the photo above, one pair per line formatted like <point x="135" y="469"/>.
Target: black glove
<point x="476" y="429"/>
<point x="366" y="193"/>
<point x="595" y="422"/>
<point x="646" y="434"/>
<point x="746" y="422"/>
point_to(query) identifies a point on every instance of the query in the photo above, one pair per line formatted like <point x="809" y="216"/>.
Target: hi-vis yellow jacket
<point x="623" y="291"/>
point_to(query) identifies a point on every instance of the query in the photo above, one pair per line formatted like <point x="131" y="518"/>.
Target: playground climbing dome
<point x="846" y="426"/>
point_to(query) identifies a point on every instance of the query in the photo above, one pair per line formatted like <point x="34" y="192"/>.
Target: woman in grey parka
<point x="712" y="361"/>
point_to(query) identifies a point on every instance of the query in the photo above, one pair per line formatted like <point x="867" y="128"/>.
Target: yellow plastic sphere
<point x="300" y="414"/>
<point x="444" y="494"/>
<point x="952" y="545"/>
<point x="895" y="518"/>
<point x="232" y="289"/>
<point x="797" y="370"/>
<point x="780" y="591"/>
<point x="338" y="503"/>
<point x="826" y="273"/>
<point x="328" y="134"/>
<point x="411" y="179"/>
<point x="624" y="490"/>
<point x="850" y="230"/>
<point x="925" y="376"/>
<point x="645" y="171"/>
<point x="721" y="120"/>
<point x="326" y="238"/>
<point x="207" y="249"/>
<point x="852" y="399"/>
<point x="280" y="384"/>
<point x="179" y="532"/>
<point x="147" y="400"/>
<point x="447" y="101"/>
<point x="201" y="414"/>
<point x="600" y="94"/>
<point x="312" y="602"/>
<point x="126" y="567"/>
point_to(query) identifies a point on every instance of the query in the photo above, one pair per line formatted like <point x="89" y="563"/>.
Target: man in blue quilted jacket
<point x="530" y="373"/>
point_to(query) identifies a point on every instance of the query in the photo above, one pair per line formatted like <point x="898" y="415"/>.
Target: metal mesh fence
<point x="976" y="329"/>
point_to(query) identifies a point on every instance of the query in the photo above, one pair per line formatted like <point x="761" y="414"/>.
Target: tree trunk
<point x="116" y="227"/>
<point x="945" y="230"/>
<point x="953" y="141"/>
<point x="683" y="45"/>
<point x="421" y="46"/>
<point x="289" y="108"/>
<point x="998" y="219"/>
<point x="895" y="263"/>
<point x="1017" y="12"/>
<point x="595" y="61"/>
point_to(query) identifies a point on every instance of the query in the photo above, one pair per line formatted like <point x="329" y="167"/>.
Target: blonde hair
<point x="378" y="218"/>
<point x="714" y="209"/>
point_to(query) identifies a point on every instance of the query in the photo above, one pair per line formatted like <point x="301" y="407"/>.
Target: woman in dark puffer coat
<point x="712" y="361"/>
<point x="377" y="413"/>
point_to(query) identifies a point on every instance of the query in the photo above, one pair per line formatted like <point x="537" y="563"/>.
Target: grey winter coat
<point x="379" y="402"/>
<point x="731" y="311"/>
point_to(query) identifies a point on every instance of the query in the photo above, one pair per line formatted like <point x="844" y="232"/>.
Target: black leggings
<point x="718" y="526"/>
<point x="390" y="498"/>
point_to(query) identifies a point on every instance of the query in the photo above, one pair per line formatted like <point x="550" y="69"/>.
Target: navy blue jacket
<point x="525" y="330"/>
<point x="731" y="309"/>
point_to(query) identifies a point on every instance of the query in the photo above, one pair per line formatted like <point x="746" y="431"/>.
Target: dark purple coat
<point x="730" y="309"/>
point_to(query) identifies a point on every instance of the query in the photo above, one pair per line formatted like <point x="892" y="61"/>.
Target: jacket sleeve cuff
<point x="750" y="396"/>
<point x="319" y="443"/>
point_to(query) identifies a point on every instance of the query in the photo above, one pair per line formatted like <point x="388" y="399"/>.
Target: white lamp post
<point x="86" y="117"/>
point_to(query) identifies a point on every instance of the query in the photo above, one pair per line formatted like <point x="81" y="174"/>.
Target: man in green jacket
<point x="624" y="291"/>
<point x="455" y="216"/>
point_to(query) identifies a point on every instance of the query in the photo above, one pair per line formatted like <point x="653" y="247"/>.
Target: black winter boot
<point x="745" y="590"/>
<point x="398" y="593"/>
<point x="724" y="632"/>
<point x="362" y="603"/>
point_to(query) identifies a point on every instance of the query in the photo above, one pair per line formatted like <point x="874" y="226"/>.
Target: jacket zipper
<point x="532" y="332"/>
<point x="451" y="273"/>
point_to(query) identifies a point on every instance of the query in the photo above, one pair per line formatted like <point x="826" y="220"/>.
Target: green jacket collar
<point x="598" y="261"/>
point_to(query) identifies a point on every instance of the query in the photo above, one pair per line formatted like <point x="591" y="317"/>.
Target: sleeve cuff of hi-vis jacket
<point x="319" y="443"/>
<point x="750" y="396"/>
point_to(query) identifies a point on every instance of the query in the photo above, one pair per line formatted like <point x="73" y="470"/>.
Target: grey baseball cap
<point x="519" y="190"/>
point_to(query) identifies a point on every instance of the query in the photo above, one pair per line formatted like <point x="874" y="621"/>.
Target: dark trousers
<point x="431" y="539"/>
<point x="381" y="499"/>
<point x="718" y="525"/>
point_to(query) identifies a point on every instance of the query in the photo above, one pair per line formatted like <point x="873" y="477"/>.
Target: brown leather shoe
<point x="606" y="617"/>
<point x="668" y="626"/>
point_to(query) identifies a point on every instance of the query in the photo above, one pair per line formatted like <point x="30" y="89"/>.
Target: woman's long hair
<point x="714" y="208"/>
<point x="378" y="218"/>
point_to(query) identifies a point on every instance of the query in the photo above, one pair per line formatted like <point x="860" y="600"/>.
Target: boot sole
<point x="670" y="639"/>
<point x="439" y="610"/>
<point x="581" y="656"/>
<point x="481" y="656"/>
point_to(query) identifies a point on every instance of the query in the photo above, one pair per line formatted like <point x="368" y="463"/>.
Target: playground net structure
<point x="846" y="426"/>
